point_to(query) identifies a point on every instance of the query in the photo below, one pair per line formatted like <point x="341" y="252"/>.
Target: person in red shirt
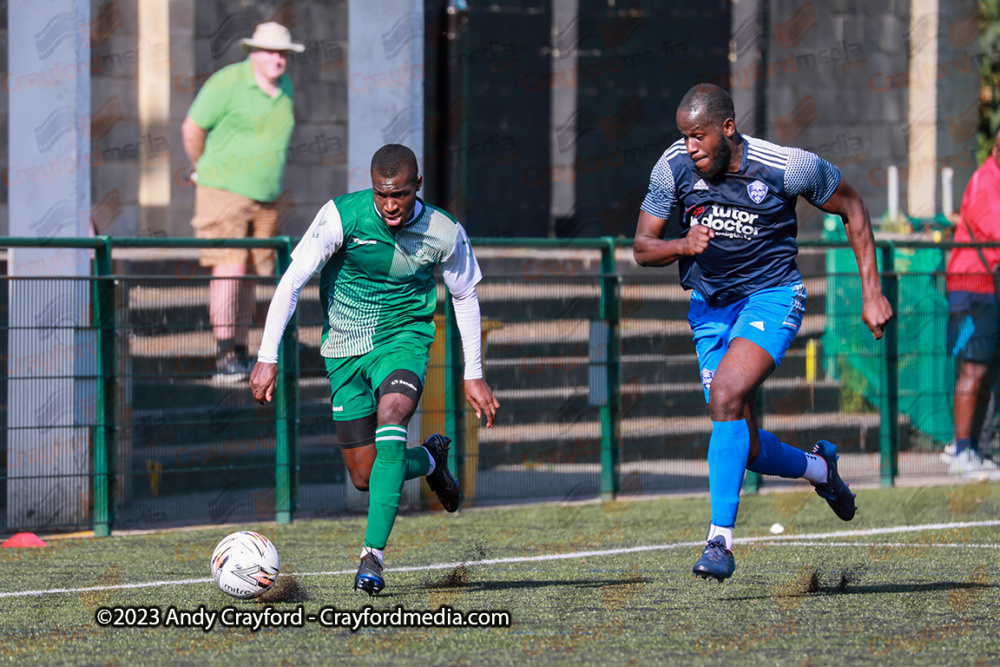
<point x="974" y="315"/>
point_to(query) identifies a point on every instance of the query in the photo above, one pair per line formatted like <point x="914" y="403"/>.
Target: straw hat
<point x="271" y="37"/>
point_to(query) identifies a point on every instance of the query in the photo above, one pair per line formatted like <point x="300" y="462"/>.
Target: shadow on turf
<point x="846" y="588"/>
<point x="902" y="588"/>
<point x="393" y="591"/>
<point x="477" y="586"/>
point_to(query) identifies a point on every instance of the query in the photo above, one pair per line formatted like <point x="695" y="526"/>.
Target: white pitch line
<point x="148" y="584"/>
<point x="581" y="554"/>
<point x="870" y="531"/>
<point x="893" y="545"/>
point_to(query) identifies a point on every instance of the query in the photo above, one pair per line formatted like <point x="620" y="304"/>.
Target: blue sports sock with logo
<point x="727" y="462"/>
<point x="964" y="443"/>
<point x="777" y="458"/>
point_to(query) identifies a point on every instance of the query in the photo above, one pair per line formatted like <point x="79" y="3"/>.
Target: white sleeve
<point x="280" y="311"/>
<point x="324" y="237"/>
<point x="461" y="270"/>
<point x="467" y="317"/>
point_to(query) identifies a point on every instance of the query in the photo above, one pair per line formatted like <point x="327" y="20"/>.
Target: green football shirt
<point x="375" y="282"/>
<point x="248" y="132"/>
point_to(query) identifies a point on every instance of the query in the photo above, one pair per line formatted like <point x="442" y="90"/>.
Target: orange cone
<point x="25" y="540"/>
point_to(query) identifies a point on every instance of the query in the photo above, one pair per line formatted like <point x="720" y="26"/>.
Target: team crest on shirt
<point x="706" y="379"/>
<point x="757" y="191"/>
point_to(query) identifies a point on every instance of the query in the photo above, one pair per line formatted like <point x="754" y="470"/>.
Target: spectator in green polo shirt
<point x="236" y="135"/>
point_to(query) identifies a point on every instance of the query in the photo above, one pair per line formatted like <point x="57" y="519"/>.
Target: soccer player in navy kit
<point x="737" y="195"/>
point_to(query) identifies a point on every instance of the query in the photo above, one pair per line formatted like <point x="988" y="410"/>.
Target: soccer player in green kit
<point x="377" y="250"/>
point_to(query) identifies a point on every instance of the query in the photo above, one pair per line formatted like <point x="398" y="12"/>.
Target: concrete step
<point x="574" y="371"/>
<point x="183" y="467"/>
<point x="514" y="341"/>
<point x="225" y="423"/>
<point x="535" y="482"/>
<point x="548" y="338"/>
<point x="508" y="483"/>
<point x="158" y="295"/>
<point x="520" y="352"/>
<point x="564" y="404"/>
<point x="191" y="355"/>
<point x="525" y="265"/>
<point x="164" y="305"/>
<point x="168" y="469"/>
<point x="204" y="413"/>
<point x="235" y="418"/>
<point x="645" y="437"/>
<point x="163" y="395"/>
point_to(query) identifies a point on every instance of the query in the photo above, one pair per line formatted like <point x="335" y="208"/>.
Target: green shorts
<point x="354" y="380"/>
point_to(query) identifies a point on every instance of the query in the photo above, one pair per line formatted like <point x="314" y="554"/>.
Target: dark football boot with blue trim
<point x="835" y="491"/>
<point x="369" y="578"/>
<point x="716" y="561"/>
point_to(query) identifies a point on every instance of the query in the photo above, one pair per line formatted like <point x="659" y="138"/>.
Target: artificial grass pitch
<point x="916" y="596"/>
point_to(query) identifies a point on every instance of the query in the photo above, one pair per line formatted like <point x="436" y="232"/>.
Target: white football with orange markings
<point x="245" y="564"/>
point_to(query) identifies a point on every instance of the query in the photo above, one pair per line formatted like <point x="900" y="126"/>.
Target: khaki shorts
<point x="220" y="214"/>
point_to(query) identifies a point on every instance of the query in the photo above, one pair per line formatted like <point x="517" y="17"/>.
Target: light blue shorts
<point x="769" y="318"/>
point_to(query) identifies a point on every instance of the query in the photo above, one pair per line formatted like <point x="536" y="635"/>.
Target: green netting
<point x="926" y="371"/>
<point x="188" y="448"/>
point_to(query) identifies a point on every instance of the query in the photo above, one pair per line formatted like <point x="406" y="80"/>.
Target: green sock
<point x="385" y="483"/>
<point x="418" y="462"/>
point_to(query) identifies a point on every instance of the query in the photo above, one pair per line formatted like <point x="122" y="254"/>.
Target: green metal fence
<point x="590" y="356"/>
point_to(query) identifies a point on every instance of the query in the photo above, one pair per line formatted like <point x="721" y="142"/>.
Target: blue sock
<point x="777" y="458"/>
<point x="727" y="461"/>
<point x="963" y="444"/>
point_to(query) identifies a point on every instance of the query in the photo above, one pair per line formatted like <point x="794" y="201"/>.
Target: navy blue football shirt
<point x="752" y="212"/>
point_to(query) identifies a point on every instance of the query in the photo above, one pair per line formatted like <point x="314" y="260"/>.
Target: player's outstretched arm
<point x="477" y="392"/>
<point x="324" y="237"/>
<point x="649" y="248"/>
<point x="847" y="203"/>
<point x="461" y="274"/>
<point x="286" y="296"/>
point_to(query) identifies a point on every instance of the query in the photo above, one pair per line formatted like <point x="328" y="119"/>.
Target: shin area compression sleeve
<point x="386" y="483"/>
<point x="727" y="461"/>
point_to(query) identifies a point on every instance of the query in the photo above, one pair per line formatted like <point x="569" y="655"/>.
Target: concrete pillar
<point x="922" y="117"/>
<point x="385" y="86"/>
<point x="154" y="113"/>
<point x="183" y="70"/>
<point x="562" y="143"/>
<point x="749" y="47"/>
<point x="51" y="390"/>
<point x="959" y="56"/>
<point x="385" y="105"/>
